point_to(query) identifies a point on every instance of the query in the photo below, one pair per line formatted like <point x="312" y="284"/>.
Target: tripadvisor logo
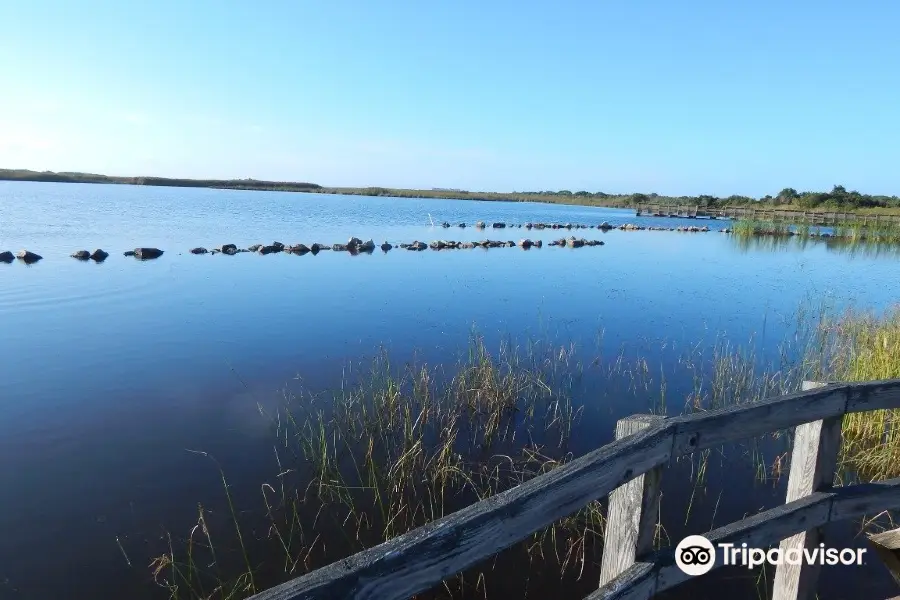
<point x="696" y="555"/>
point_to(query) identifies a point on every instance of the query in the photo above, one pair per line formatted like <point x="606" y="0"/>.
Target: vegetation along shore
<point x="398" y="446"/>
<point x="838" y="198"/>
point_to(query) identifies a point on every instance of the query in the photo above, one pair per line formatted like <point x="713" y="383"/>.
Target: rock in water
<point x="254" y="247"/>
<point x="300" y="249"/>
<point x="269" y="249"/>
<point x="278" y="246"/>
<point x="28" y="257"/>
<point x="385" y="246"/>
<point x="462" y="225"/>
<point x="99" y="255"/>
<point x="147" y="253"/>
<point x="229" y="249"/>
<point x="199" y="251"/>
<point x="480" y="224"/>
<point x="526" y="244"/>
<point x="81" y="255"/>
<point x="128" y="253"/>
<point x="366" y="246"/>
<point x="7" y="257"/>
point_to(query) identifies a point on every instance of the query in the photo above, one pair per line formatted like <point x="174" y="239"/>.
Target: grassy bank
<point x="838" y="199"/>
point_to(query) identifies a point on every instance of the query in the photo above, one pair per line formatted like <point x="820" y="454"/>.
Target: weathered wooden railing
<point x="629" y="470"/>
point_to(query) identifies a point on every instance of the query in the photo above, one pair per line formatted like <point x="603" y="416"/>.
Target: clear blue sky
<point x="699" y="96"/>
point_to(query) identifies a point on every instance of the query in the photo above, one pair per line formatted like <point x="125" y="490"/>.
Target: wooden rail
<point x="420" y="559"/>
<point x="764" y="214"/>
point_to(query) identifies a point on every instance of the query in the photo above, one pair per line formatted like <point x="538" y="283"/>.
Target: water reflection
<point x="853" y="247"/>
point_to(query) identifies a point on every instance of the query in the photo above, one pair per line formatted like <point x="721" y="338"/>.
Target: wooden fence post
<point x="633" y="511"/>
<point x="813" y="461"/>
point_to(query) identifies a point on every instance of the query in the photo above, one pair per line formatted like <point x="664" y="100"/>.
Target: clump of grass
<point x="857" y="346"/>
<point x="395" y="448"/>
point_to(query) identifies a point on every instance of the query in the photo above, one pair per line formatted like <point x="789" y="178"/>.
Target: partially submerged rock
<point x="99" y="255"/>
<point x="385" y="246"/>
<point x="526" y="244"/>
<point x="480" y="225"/>
<point x="7" y="257"/>
<point x="271" y="249"/>
<point x="199" y="251"/>
<point x="147" y="253"/>
<point x="499" y="225"/>
<point x="28" y="257"/>
<point x="81" y="255"/>
<point x="417" y="245"/>
<point x="300" y="249"/>
<point x="254" y="247"/>
<point x="229" y="249"/>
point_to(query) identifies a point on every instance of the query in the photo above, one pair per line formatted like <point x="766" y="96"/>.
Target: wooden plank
<point x="813" y="462"/>
<point x="714" y="428"/>
<point x="633" y="510"/>
<point x="420" y="559"/>
<point x="887" y="546"/>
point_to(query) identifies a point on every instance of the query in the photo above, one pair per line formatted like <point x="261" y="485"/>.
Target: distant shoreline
<point x="787" y="199"/>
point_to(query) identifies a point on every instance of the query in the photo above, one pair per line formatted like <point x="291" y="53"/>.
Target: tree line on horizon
<point x="837" y="198"/>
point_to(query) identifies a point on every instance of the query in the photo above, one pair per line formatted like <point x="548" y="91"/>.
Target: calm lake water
<point x="111" y="372"/>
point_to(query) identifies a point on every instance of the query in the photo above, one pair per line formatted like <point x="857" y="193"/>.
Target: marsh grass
<point x="400" y="445"/>
<point x="859" y="346"/>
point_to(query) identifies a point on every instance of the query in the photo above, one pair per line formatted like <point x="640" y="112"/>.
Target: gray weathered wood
<point x="633" y="510"/>
<point x="420" y="559"/>
<point x="813" y="461"/>
<point x="887" y="546"/>
<point x="761" y="530"/>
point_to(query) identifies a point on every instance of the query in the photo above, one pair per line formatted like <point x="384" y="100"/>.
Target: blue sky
<point x="689" y="97"/>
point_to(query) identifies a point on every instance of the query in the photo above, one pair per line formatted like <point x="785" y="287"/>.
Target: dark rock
<point x="278" y="245"/>
<point x="28" y="257"/>
<point x="129" y="253"/>
<point x="462" y="225"/>
<point x="81" y="255"/>
<point x="254" y="247"/>
<point x="227" y="249"/>
<point x="7" y="257"/>
<point x="528" y="225"/>
<point x="538" y="244"/>
<point x="417" y="245"/>
<point x="540" y="226"/>
<point x="368" y="246"/>
<point x="467" y="245"/>
<point x="213" y="252"/>
<point x="568" y="226"/>
<point x="510" y="244"/>
<point x="404" y="246"/>
<point x="386" y="247"/>
<point x="445" y="225"/>
<point x="499" y="225"/>
<point x="199" y="251"/>
<point x="147" y="253"/>
<point x="354" y="242"/>
<point x="300" y="249"/>
<point x="99" y="255"/>
<point x="554" y="243"/>
<point x="604" y="225"/>
<point x="341" y="247"/>
<point x="269" y="249"/>
<point x="526" y="244"/>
